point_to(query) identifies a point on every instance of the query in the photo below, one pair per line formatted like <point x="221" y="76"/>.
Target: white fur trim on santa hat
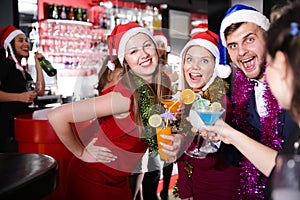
<point x="7" y="41"/>
<point x="18" y="66"/>
<point x="197" y="30"/>
<point x="11" y="36"/>
<point x="161" y="38"/>
<point x="127" y="35"/>
<point x="204" y="43"/>
<point x="164" y="40"/>
<point x="243" y="16"/>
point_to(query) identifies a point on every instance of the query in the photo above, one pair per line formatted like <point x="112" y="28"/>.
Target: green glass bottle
<point x="79" y="14"/>
<point x="47" y="67"/>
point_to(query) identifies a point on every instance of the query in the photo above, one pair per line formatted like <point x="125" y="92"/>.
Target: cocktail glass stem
<point x="195" y="151"/>
<point x="207" y="117"/>
<point x="208" y="146"/>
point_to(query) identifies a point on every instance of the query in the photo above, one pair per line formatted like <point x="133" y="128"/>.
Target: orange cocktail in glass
<point x="170" y="102"/>
<point x="165" y="131"/>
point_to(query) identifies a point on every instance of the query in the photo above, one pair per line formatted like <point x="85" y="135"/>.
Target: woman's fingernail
<point x="162" y="144"/>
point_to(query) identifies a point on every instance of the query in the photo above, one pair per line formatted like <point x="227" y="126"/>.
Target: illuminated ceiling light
<point x="164" y="6"/>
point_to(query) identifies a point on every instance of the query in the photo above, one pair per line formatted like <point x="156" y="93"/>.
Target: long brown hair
<point x="161" y="85"/>
<point x="104" y="71"/>
<point x="280" y="38"/>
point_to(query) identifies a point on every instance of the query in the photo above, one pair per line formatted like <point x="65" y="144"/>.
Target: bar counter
<point x="37" y="136"/>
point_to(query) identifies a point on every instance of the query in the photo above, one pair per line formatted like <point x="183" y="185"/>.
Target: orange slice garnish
<point x="187" y="96"/>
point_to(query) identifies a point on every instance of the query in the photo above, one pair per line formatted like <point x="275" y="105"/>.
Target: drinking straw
<point x="170" y="111"/>
<point x="173" y="105"/>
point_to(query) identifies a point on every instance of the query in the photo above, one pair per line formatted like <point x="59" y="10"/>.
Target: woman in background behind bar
<point x="14" y="98"/>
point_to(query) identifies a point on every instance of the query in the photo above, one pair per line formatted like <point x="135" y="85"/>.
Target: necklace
<point x="252" y="181"/>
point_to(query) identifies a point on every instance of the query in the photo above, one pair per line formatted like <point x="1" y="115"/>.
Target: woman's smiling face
<point x="21" y="46"/>
<point x="141" y="55"/>
<point x="198" y="67"/>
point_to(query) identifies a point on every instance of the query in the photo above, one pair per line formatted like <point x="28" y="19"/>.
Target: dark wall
<point x="9" y="13"/>
<point x="268" y="4"/>
<point x="216" y="12"/>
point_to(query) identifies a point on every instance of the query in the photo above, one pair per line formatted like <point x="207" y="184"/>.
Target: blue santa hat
<point x="237" y="14"/>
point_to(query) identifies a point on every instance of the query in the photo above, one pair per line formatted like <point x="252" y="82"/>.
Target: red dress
<point x="108" y="181"/>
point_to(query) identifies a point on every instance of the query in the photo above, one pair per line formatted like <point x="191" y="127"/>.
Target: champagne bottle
<point x="47" y="67"/>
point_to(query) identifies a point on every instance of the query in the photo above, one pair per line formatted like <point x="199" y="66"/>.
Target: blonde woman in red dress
<point x="125" y="111"/>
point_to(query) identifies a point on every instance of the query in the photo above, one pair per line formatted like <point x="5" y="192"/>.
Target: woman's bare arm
<point x="62" y="117"/>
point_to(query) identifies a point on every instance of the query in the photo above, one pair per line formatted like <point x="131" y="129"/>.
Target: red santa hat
<point x="119" y="37"/>
<point x="7" y="34"/>
<point x="159" y="36"/>
<point x="199" y="28"/>
<point x="208" y="40"/>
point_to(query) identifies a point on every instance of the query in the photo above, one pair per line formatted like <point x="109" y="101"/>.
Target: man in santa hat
<point x="256" y="112"/>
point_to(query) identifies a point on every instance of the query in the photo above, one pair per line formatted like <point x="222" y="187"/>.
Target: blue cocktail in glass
<point x="209" y="117"/>
<point x="203" y="112"/>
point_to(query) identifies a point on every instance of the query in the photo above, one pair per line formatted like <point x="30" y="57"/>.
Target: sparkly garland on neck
<point x="252" y="181"/>
<point x="146" y="101"/>
<point x="215" y="92"/>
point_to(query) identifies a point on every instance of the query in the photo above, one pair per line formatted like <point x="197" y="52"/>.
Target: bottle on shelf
<point x="47" y="67"/>
<point x="50" y="11"/>
<point x="63" y="14"/>
<point x="79" y="14"/>
<point x="55" y="12"/>
<point x="85" y="15"/>
<point x="70" y="15"/>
